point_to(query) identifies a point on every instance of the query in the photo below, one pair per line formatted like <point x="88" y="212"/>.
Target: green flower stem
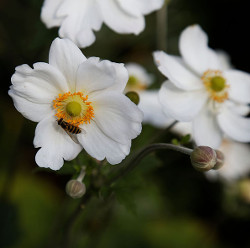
<point x="144" y="152"/>
<point x="82" y="174"/>
<point x="161" y="27"/>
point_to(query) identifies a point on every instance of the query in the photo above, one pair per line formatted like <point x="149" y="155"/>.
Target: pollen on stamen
<point x="218" y="92"/>
<point x="83" y="114"/>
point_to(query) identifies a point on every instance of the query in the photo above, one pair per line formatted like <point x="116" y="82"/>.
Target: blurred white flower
<point x="78" y="19"/>
<point x="203" y="91"/>
<point x="237" y="161"/>
<point x="139" y="81"/>
<point x="83" y="93"/>
<point x="237" y="156"/>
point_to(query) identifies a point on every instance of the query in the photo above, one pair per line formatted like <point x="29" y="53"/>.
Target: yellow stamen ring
<point x="216" y="85"/>
<point x="73" y="108"/>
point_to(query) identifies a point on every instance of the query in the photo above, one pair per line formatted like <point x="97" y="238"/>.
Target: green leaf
<point x="175" y="142"/>
<point x="185" y="139"/>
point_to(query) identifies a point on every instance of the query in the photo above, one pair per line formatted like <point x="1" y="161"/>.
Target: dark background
<point x="164" y="202"/>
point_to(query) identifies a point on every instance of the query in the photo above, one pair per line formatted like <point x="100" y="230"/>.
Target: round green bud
<point x="133" y="96"/>
<point x="218" y="83"/>
<point x="75" y="189"/>
<point x="220" y="160"/>
<point x="73" y="108"/>
<point x="203" y="158"/>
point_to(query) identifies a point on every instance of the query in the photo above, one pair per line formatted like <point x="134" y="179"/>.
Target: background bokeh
<point x="163" y="202"/>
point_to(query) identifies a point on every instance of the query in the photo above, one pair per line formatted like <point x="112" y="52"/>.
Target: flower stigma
<point x="73" y="108"/>
<point x="216" y="85"/>
<point x="134" y="84"/>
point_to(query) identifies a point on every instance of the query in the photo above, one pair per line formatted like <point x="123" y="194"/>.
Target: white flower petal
<point x="99" y="145"/>
<point x="67" y="57"/>
<point x="48" y="14"/>
<point x="138" y="7"/>
<point x="152" y="109"/>
<point x="117" y="116"/>
<point x="238" y="108"/>
<point x="30" y="110"/>
<point x="224" y="59"/>
<point x="80" y="19"/>
<point x="181" y="105"/>
<point x="140" y="74"/>
<point x="236" y="164"/>
<point x="239" y="85"/>
<point x="94" y="75"/>
<point x="193" y="45"/>
<point x="206" y="130"/>
<point x="56" y="145"/>
<point x="120" y="21"/>
<point x="41" y="84"/>
<point x="174" y="69"/>
<point x="182" y="128"/>
<point x="235" y="126"/>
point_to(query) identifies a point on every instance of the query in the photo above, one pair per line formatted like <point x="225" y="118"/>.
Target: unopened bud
<point x="203" y="158"/>
<point x="75" y="189"/>
<point x="133" y="96"/>
<point x="220" y="160"/>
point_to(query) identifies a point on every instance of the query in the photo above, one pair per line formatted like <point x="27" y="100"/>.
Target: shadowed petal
<point x="235" y="126"/>
<point x="94" y="75"/>
<point x="120" y="21"/>
<point x="181" y="105"/>
<point x="56" y="145"/>
<point x="206" y="130"/>
<point x="30" y="110"/>
<point x="239" y="85"/>
<point x="100" y="146"/>
<point x="117" y="116"/>
<point x="48" y="14"/>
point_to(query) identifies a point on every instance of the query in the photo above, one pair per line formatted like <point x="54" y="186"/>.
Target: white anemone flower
<point x="139" y="81"/>
<point x="78" y="19"/>
<point x="203" y="91"/>
<point x="86" y="94"/>
<point x="237" y="157"/>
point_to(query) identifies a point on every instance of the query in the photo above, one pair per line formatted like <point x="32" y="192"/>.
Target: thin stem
<point x="161" y="28"/>
<point x="145" y="151"/>
<point x="82" y="174"/>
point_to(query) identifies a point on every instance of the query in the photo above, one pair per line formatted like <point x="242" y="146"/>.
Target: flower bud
<point x="220" y="160"/>
<point x="75" y="189"/>
<point x="133" y="96"/>
<point x="203" y="158"/>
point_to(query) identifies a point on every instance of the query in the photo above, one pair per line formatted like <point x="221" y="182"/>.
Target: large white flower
<point x="78" y="19"/>
<point x="139" y="81"/>
<point x="203" y="91"/>
<point x="84" y="93"/>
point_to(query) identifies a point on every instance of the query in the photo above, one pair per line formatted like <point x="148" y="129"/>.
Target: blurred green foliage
<point x="163" y="202"/>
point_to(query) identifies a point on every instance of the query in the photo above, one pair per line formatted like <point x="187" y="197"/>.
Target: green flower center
<point x="132" y="80"/>
<point x="73" y="108"/>
<point x="218" y="83"/>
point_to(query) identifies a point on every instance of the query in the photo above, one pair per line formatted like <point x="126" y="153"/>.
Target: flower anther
<point x="216" y="85"/>
<point x="73" y="108"/>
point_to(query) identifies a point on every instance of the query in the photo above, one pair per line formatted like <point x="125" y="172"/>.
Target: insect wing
<point x="72" y="136"/>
